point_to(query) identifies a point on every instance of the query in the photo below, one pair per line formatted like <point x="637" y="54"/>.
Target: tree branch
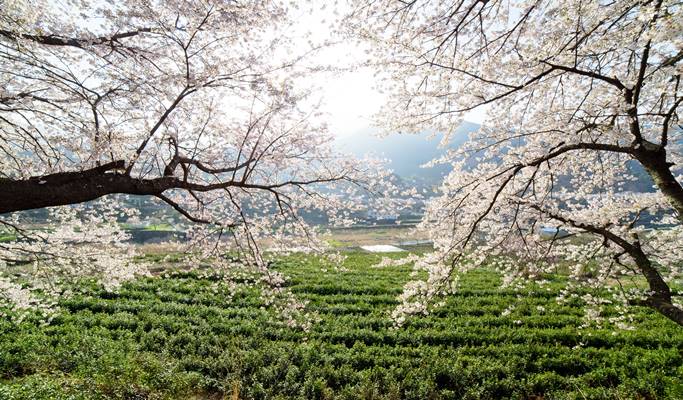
<point x="56" y="40"/>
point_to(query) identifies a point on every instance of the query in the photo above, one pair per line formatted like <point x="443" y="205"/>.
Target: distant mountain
<point x="406" y="152"/>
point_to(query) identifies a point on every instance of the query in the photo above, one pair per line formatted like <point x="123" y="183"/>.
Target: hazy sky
<point x="350" y="98"/>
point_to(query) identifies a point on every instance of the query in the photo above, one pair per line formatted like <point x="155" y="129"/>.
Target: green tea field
<point x="177" y="337"/>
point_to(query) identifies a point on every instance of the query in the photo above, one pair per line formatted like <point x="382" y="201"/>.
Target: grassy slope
<point x="176" y="338"/>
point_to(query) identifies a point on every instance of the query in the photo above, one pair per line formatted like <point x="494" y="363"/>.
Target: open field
<point x="373" y="235"/>
<point x="175" y="337"/>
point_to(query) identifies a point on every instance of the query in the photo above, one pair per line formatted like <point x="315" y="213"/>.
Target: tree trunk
<point x="653" y="159"/>
<point x="660" y="299"/>
<point x="667" y="309"/>
<point x="659" y="170"/>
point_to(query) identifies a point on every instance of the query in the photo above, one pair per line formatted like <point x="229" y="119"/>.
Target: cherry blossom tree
<point x="578" y="165"/>
<point x="199" y="104"/>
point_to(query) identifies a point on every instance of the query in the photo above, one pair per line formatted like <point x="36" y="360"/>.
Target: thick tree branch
<point x="653" y="158"/>
<point x="57" y="40"/>
<point x="81" y="186"/>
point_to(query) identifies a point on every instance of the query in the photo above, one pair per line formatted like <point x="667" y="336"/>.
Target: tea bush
<point x="174" y="337"/>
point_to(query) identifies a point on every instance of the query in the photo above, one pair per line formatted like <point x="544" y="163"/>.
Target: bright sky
<point x="350" y="98"/>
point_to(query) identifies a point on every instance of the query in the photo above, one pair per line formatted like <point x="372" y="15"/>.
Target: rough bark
<point x="73" y="187"/>
<point x="660" y="299"/>
<point x="656" y="165"/>
<point x="80" y="186"/>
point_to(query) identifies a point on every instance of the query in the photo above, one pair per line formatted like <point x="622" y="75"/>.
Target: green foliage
<point x="175" y="337"/>
<point x="6" y="237"/>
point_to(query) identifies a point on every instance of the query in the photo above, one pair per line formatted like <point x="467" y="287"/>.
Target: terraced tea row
<point x="178" y="336"/>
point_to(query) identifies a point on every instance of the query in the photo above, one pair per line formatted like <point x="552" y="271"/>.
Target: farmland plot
<point x="182" y="336"/>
